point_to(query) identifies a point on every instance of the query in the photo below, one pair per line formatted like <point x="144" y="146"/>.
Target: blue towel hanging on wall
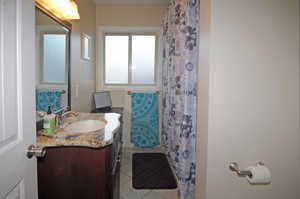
<point x="45" y="98"/>
<point x="144" y="120"/>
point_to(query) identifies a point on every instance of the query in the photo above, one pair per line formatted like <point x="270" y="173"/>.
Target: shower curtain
<point x="180" y="61"/>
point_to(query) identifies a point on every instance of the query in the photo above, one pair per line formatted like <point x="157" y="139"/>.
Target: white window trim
<point x="101" y="31"/>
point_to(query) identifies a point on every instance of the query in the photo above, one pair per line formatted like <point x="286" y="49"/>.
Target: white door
<point x="18" y="178"/>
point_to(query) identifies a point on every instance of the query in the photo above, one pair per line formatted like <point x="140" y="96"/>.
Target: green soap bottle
<point x="49" y="122"/>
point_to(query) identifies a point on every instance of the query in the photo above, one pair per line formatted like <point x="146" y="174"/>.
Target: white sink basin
<point x="85" y="126"/>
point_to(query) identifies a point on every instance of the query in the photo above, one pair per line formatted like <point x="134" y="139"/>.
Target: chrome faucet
<point x="63" y="109"/>
<point x="69" y="113"/>
<point x="62" y="113"/>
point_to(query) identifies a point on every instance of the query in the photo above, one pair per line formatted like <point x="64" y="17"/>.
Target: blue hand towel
<point x="46" y="98"/>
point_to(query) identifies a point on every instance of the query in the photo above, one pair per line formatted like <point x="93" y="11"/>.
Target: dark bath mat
<point x="152" y="171"/>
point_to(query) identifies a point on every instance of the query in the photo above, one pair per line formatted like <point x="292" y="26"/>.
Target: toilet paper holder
<point x="233" y="166"/>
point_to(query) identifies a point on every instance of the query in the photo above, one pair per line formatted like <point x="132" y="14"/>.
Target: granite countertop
<point x="95" y="139"/>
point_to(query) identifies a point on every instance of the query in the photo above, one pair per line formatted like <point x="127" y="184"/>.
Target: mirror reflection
<point x="52" y="63"/>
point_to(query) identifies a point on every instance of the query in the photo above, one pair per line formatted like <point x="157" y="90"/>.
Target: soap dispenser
<point x="49" y="122"/>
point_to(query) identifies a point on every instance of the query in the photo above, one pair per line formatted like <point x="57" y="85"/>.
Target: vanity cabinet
<point x="77" y="172"/>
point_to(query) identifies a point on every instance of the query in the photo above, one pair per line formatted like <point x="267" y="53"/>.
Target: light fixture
<point x="64" y="9"/>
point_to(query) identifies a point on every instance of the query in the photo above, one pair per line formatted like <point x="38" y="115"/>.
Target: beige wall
<point x="130" y="15"/>
<point x="82" y="71"/>
<point x="43" y="19"/>
<point x="253" y="97"/>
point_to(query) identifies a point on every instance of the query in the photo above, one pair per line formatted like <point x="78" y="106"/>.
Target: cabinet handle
<point x="115" y="164"/>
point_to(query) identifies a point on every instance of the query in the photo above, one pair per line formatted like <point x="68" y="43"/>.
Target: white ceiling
<point x="131" y="1"/>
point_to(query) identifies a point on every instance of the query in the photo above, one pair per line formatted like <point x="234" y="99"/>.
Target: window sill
<point x="129" y="88"/>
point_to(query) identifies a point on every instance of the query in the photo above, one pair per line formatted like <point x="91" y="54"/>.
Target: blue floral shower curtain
<point x="180" y="60"/>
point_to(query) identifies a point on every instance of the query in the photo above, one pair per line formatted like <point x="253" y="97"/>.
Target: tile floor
<point x="127" y="191"/>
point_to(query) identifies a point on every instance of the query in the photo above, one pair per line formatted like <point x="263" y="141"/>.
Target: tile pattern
<point x="127" y="191"/>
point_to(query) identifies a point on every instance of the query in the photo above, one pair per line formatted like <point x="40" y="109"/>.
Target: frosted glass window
<point x="54" y="58"/>
<point x="116" y="59"/>
<point x="129" y="59"/>
<point x="143" y="59"/>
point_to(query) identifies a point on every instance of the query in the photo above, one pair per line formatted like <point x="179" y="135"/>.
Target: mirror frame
<point x="67" y="25"/>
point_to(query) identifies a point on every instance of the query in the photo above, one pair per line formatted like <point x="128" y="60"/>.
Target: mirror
<point x="52" y="63"/>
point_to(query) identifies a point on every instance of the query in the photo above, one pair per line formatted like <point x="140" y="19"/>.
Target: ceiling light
<point x="64" y="9"/>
